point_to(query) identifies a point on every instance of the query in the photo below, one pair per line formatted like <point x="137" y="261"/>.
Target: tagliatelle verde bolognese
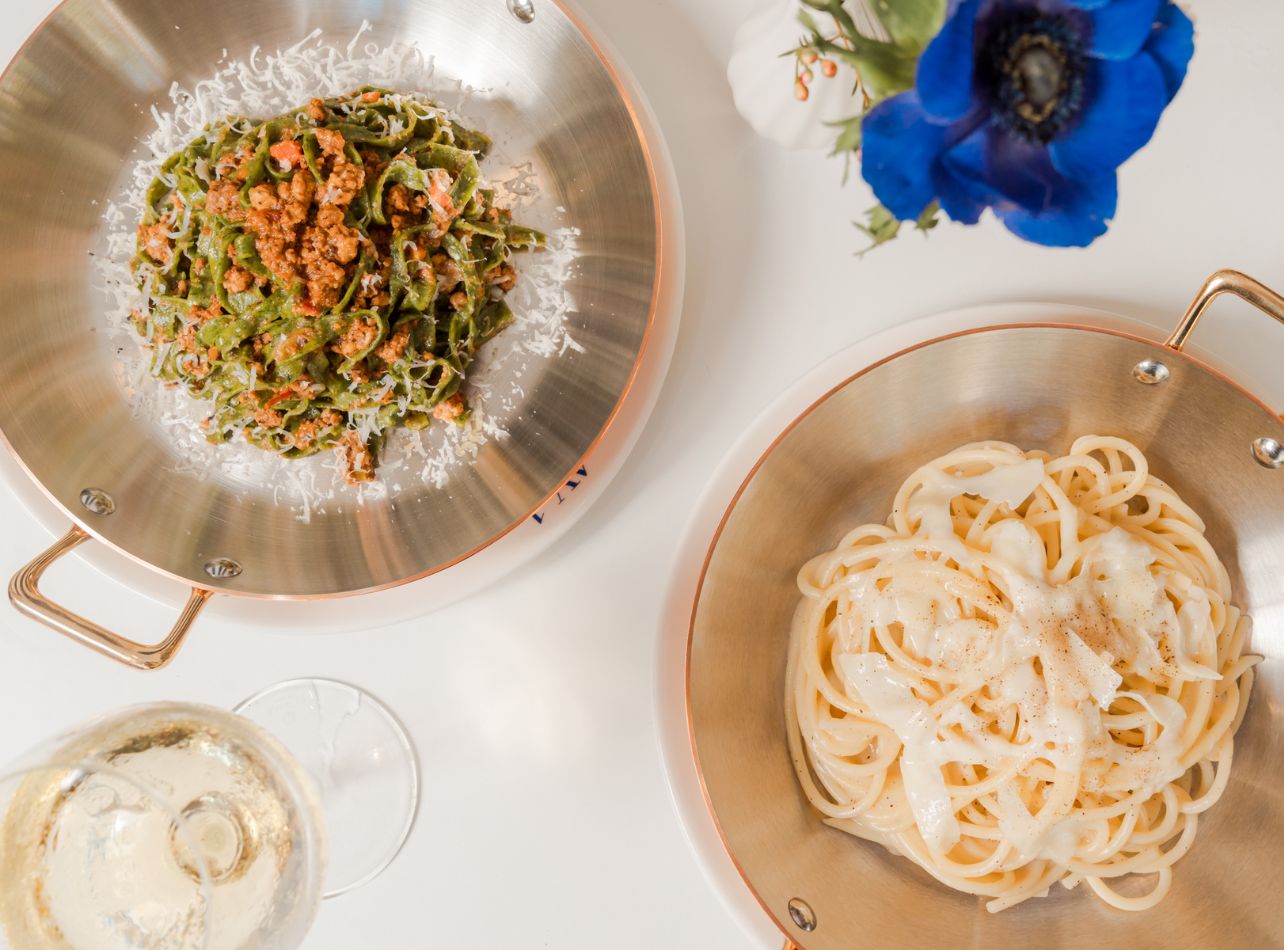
<point x="326" y="275"/>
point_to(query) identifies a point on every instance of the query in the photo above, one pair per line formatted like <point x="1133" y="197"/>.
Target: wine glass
<point x="176" y="825"/>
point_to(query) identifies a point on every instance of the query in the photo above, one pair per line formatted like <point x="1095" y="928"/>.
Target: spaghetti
<point x="1032" y="674"/>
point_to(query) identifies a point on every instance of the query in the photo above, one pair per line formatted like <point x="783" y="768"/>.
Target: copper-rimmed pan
<point x="838" y="465"/>
<point x="73" y="104"/>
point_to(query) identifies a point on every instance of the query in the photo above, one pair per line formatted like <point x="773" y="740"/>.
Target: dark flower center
<point x="1030" y="65"/>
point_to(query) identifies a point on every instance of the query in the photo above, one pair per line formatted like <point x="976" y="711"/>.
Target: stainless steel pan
<point x="838" y="465"/>
<point x="72" y="106"/>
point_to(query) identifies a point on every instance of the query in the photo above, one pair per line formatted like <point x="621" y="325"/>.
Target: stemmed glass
<point x="176" y="825"/>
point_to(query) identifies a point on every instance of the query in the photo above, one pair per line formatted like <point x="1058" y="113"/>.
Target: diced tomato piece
<point x="288" y="153"/>
<point x="305" y="306"/>
<point x="371" y="96"/>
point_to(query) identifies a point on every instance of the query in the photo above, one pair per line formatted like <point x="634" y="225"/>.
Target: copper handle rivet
<point x="524" y="10"/>
<point x="802" y="915"/>
<point x="222" y="567"/>
<point x="1268" y="452"/>
<point x="1151" y="372"/>
<point x="97" y="501"/>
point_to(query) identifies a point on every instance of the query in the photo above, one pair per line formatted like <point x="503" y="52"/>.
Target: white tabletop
<point x="546" y="820"/>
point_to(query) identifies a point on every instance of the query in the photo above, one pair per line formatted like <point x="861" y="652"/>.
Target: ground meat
<point x="306" y="433"/>
<point x="394" y="348"/>
<point x="327" y="246"/>
<point x="448" y="273"/>
<point x="237" y="280"/>
<point x="396" y="198"/>
<point x="359" y="336"/>
<point x="268" y="418"/>
<point x="449" y="409"/>
<point x="343" y="184"/>
<point x="360" y="372"/>
<point x="317" y="110"/>
<point x="331" y="142"/>
<point x="263" y="197"/>
<point x="187" y="338"/>
<point x="318" y="251"/>
<point x="459" y="300"/>
<point x="330" y="418"/>
<point x="154" y="240"/>
<point x="344" y="241"/>
<point x="224" y="199"/>
<point x="358" y="463"/>
<point x="235" y="164"/>
<point x="276" y="214"/>
<point x="504" y="277"/>
<point x="203" y="315"/>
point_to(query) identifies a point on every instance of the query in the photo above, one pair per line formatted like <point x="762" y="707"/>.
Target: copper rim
<point x="635" y="112"/>
<point x="791" y="941"/>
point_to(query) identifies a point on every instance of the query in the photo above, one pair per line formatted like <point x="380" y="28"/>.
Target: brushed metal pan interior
<point x="839" y="466"/>
<point x="72" y="106"/>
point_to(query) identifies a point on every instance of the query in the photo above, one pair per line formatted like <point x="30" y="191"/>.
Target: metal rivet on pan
<point x="222" y="567"/>
<point x="97" y="501"/>
<point x="1150" y="372"/>
<point x="1268" y="452"/>
<point x="524" y="10"/>
<point x="802" y="915"/>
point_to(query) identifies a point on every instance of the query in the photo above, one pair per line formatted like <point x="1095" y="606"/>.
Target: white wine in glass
<point x="172" y="826"/>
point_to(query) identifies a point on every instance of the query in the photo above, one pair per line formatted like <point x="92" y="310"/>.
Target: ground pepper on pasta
<point x="326" y="275"/>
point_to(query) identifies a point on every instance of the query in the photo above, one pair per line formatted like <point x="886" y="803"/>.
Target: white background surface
<point x="546" y="820"/>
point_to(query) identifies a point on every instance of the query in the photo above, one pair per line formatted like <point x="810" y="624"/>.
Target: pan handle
<point x="24" y="592"/>
<point x="1226" y="282"/>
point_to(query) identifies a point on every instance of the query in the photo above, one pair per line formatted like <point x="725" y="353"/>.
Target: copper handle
<point x="1226" y="282"/>
<point x="24" y="592"/>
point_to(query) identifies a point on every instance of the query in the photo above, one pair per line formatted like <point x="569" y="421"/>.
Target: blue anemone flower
<point x="1028" y="107"/>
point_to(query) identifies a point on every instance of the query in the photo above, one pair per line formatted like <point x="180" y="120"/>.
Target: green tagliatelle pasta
<point x="326" y="275"/>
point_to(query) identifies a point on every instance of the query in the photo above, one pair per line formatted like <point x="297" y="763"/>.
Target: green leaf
<point x="910" y="23"/>
<point x="848" y="135"/>
<point x="808" y="21"/>
<point x="930" y="217"/>
<point x="882" y="226"/>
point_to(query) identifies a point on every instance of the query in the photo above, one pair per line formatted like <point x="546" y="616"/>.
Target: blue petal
<point x="1123" y="104"/>
<point x="1088" y="4"/>
<point x="961" y="199"/>
<point x="944" y="80"/>
<point x="1121" y="28"/>
<point x="1080" y="213"/>
<point x="899" y="146"/>
<point x="1005" y="168"/>
<point x="1172" y="44"/>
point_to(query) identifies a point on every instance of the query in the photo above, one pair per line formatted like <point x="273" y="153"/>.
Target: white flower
<point x="762" y="81"/>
